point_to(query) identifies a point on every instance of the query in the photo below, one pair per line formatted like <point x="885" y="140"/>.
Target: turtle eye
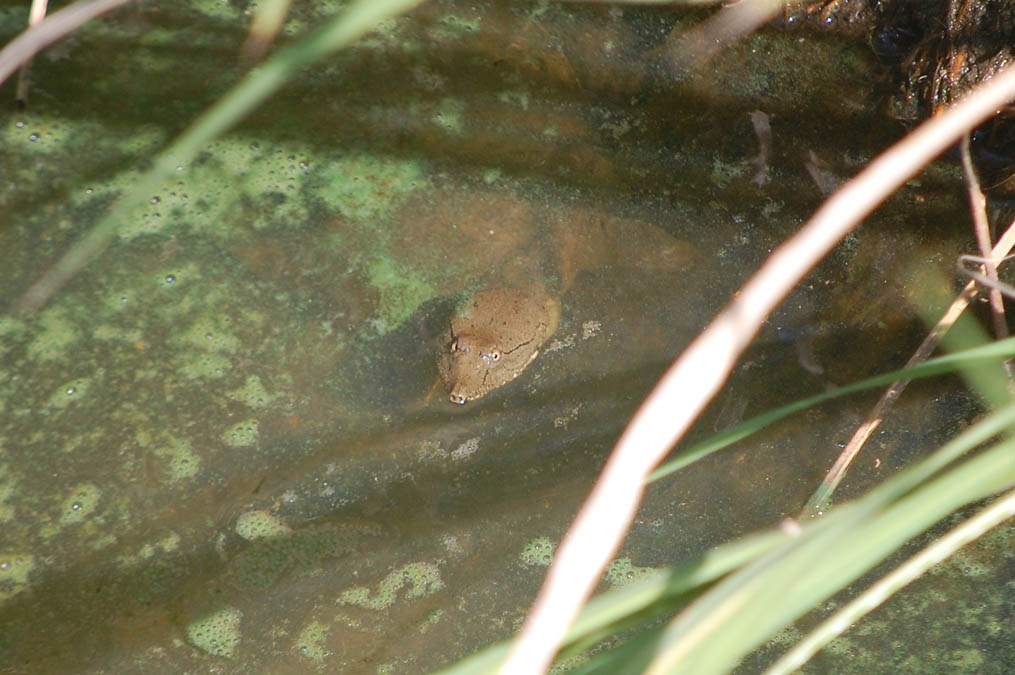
<point x="494" y="355"/>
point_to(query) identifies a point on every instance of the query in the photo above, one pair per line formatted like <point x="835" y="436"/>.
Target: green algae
<point x="14" y="570"/>
<point x="118" y="333"/>
<point x="217" y="633"/>
<point x="213" y="9"/>
<point x="236" y="175"/>
<point x="519" y="98"/>
<point x="456" y="25"/>
<point x="368" y="189"/>
<point x="402" y="290"/>
<point x="622" y="572"/>
<point x="310" y="643"/>
<point x="81" y="503"/>
<point x="182" y="462"/>
<point x="210" y="333"/>
<point x="421" y="579"/>
<point x="253" y="394"/>
<point x="197" y="366"/>
<point x="271" y="551"/>
<point x="56" y="333"/>
<point x="538" y="552"/>
<point x="8" y="489"/>
<point x="430" y="620"/>
<point x="242" y="434"/>
<point x="169" y="543"/>
<point x="449" y="116"/>
<point x="259" y="525"/>
<point x="11" y="329"/>
<point x="72" y="391"/>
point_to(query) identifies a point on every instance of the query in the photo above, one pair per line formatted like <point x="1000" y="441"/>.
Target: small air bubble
<point x="33" y="137"/>
<point x="255" y="146"/>
<point x="71" y="391"/>
<point x="76" y="506"/>
<point x="19" y="125"/>
<point x="170" y="279"/>
<point x="156" y="199"/>
<point x="304" y="165"/>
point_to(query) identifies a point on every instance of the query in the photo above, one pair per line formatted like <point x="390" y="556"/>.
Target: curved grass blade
<point x="754" y="603"/>
<point x="939" y="550"/>
<point x="944" y="364"/>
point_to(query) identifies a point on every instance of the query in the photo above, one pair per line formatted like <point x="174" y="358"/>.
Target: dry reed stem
<point x="268" y="20"/>
<point x="35" y="16"/>
<point x="981" y="228"/>
<point x="21" y="49"/>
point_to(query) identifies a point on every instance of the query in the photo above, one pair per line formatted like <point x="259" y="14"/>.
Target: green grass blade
<point x="940" y="549"/>
<point x="753" y="604"/>
<point x="938" y="366"/>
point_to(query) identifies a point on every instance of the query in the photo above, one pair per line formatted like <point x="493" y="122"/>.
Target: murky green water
<point x="216" y="447"/>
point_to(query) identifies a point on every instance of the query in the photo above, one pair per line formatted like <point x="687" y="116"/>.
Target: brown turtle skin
<point x="495" y="340"/>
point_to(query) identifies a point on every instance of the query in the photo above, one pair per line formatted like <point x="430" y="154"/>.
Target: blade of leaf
<point x="943" y="364"/>
<point x="754" y="603"/>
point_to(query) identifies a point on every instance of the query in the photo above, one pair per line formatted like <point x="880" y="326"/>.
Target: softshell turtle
<point x="502" y="328"/>
<point x="495" y="340"/>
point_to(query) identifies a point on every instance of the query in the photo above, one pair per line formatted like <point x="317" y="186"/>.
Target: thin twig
<point x="981" y="228"/>
<point x="1007" y="290"/>
<point x="22" y="48"/>
<point x="268" y="20"/>
<point x="692" y="49"/>
<point x="819" y="500"/>
<point x="35" y="17"/>
<point x="703" y="367"/>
